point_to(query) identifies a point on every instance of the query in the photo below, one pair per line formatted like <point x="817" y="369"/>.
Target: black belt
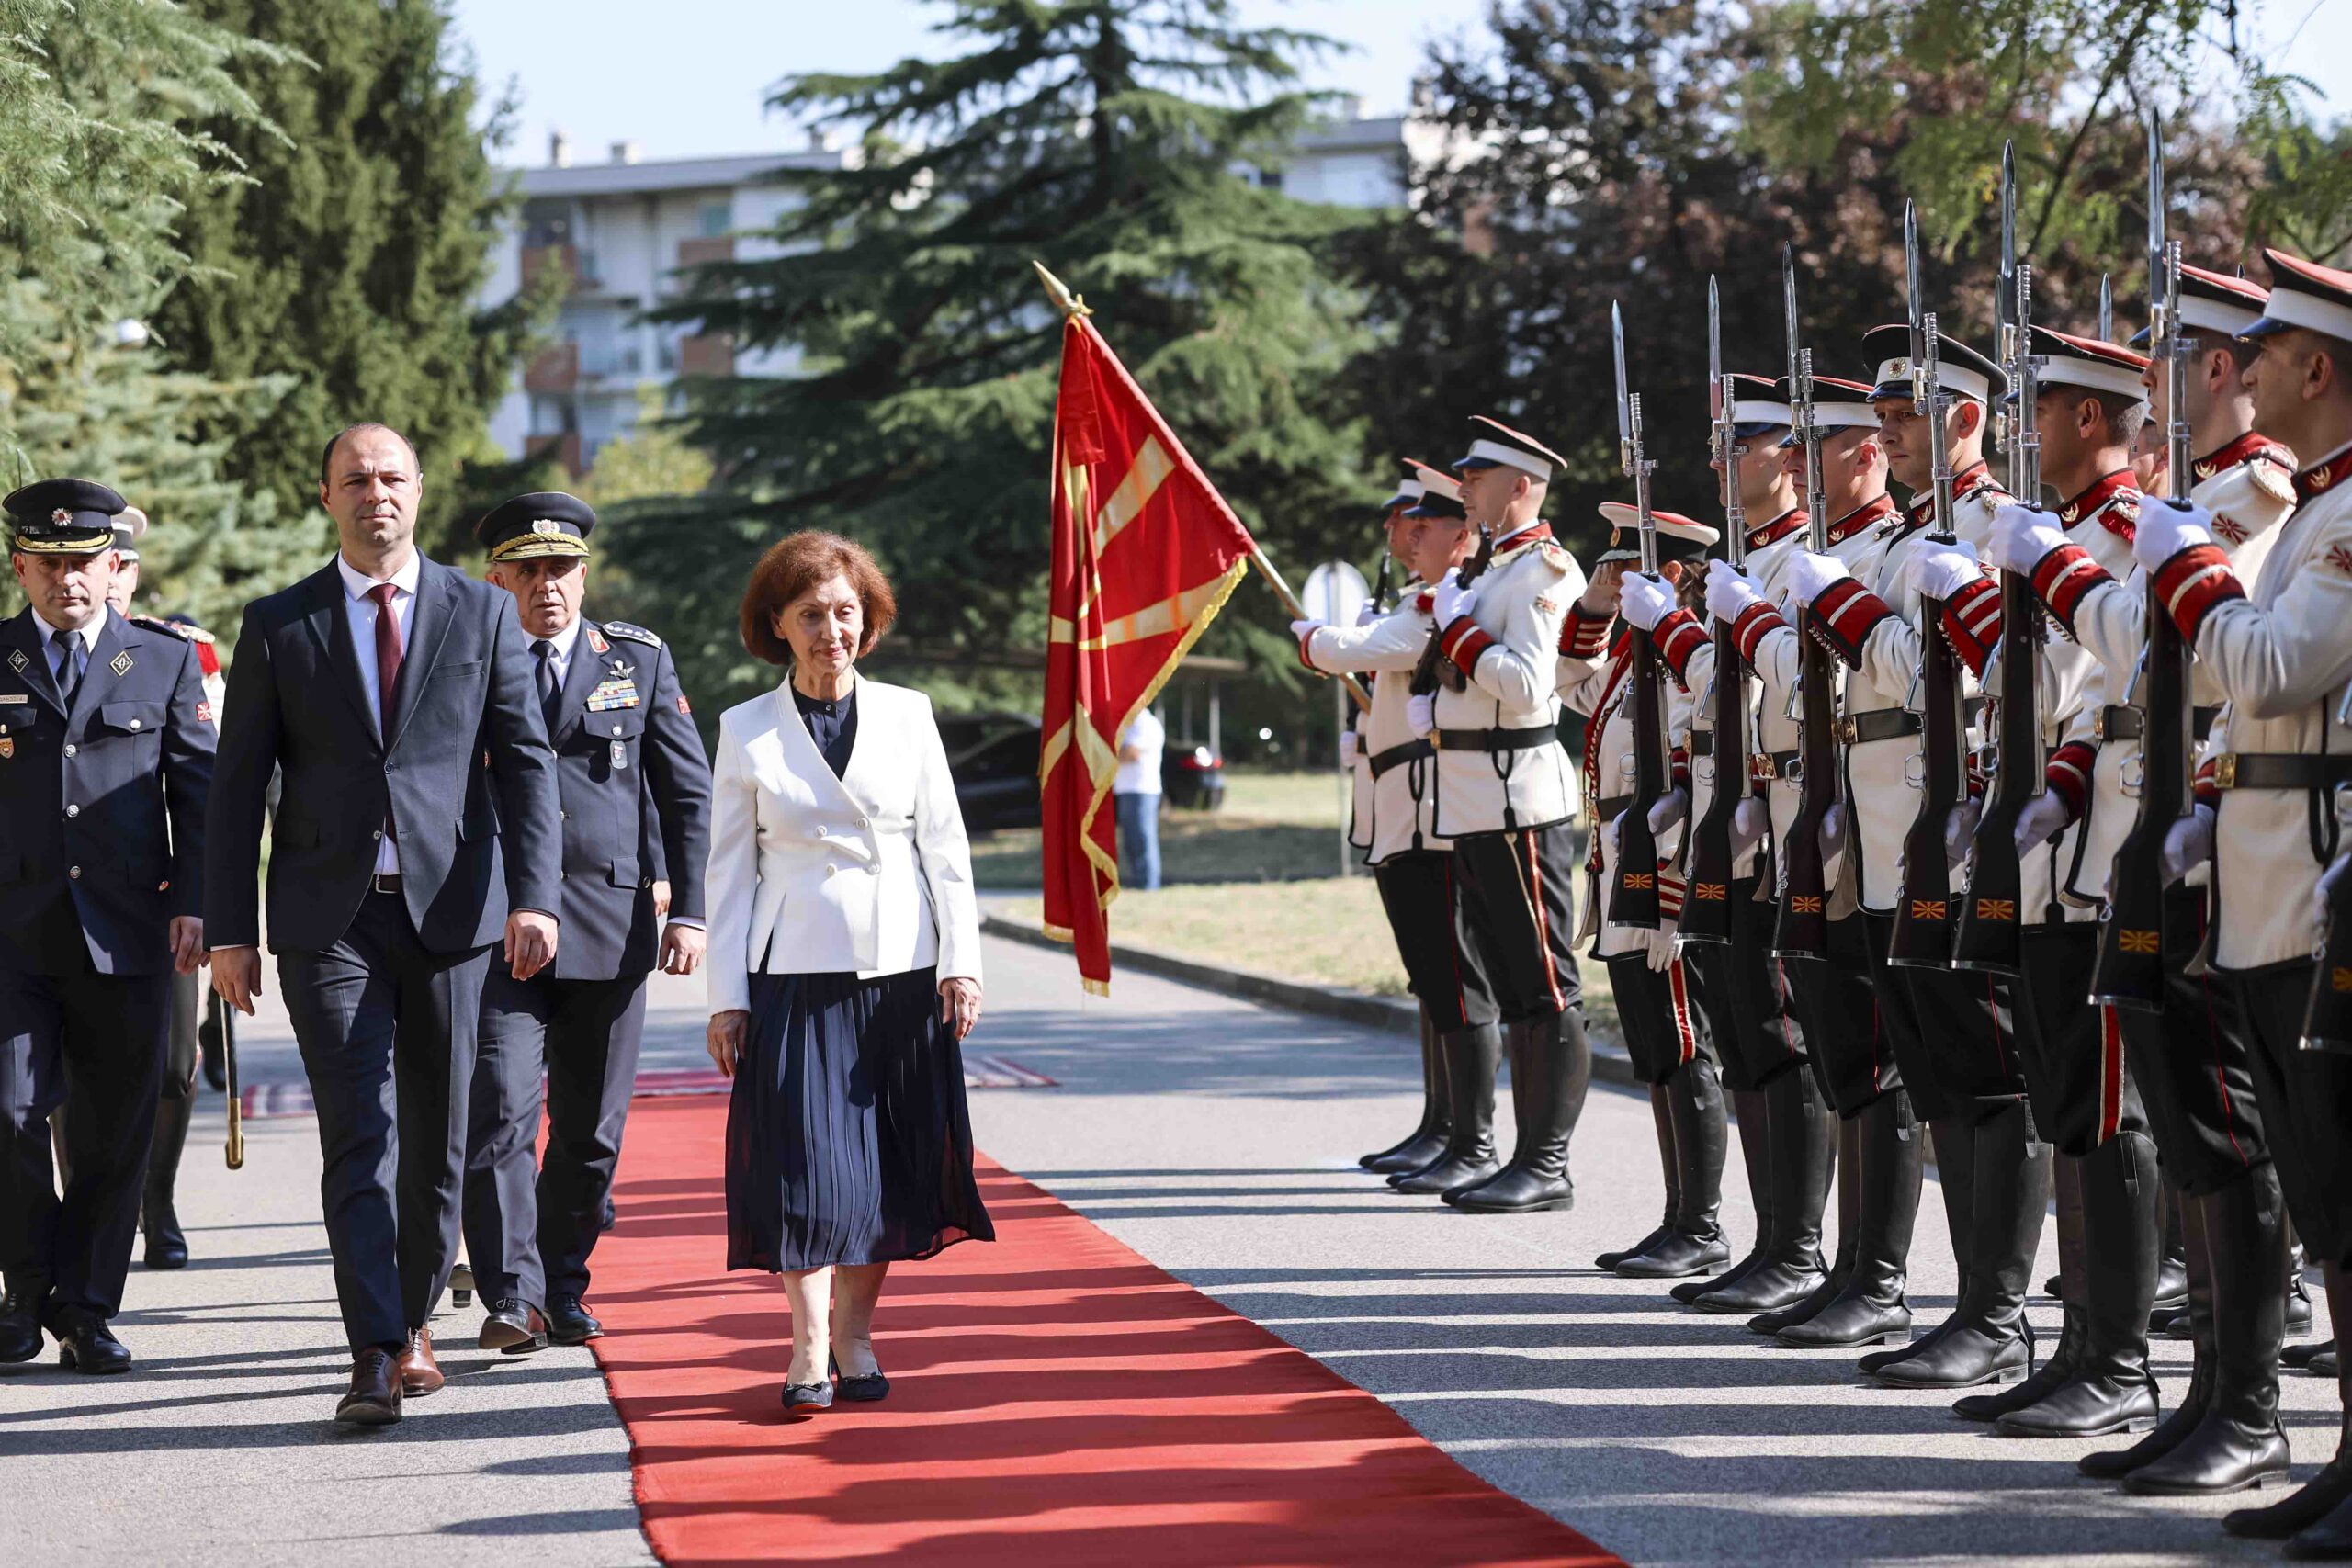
<point x="1397" y="756"/>
<point x="2280" y="770"/>
<point x="1763" y="766"/>
<point x="1534" y="735"/>
<point x="1893" y="724"/>
<point x="2120" y="721"/>
<point x="1702" y="743"/>
<point x="384" y="881"/>
<point x="1786" y="764"/>
<point x="1613" y="807"/>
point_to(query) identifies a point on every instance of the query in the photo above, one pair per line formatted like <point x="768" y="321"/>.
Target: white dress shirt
<point x="89" y="636"/>
<point x="360" y="609"/>
<point x="564" y="642"/>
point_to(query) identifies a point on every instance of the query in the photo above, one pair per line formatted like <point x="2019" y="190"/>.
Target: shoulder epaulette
<point x="187" y="633"/>
<point x="634" y="633"/>
<point x="2273" y="476"/>
<point x="2121" y="515"/>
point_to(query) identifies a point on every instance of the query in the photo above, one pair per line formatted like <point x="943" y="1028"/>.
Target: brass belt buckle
<point x="2226" y="771"/>
<point x="1849" y="731"/>
<point x="1437" y="739"/>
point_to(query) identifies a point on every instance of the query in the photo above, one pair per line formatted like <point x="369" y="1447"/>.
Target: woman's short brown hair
<point x="799" y="562"/>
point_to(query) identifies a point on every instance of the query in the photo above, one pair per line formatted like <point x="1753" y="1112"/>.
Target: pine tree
<point x="351" y="256"/>
<point x="1099" y="136"/>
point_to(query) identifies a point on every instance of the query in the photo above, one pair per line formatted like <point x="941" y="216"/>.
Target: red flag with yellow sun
<point x="1144" y="553"/>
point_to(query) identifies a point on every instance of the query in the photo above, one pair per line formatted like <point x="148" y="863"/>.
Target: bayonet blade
<point x="1625" y="402"/>
<point x="2155" y="205"/>
<point x="2106" y="309"/>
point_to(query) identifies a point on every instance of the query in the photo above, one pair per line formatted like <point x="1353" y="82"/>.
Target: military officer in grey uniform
<point x="635" y="790"/>
<point x="106" y="759"/>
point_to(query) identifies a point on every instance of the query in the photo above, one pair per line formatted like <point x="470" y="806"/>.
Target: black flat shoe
<point x="867" y="1389"/>
<point x="570" y="1322"/>
<point x="84" y="1344"/>
<point x="799" y="1396"/>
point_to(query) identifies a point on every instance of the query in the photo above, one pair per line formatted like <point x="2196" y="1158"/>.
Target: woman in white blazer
<point x="844" y="967"/>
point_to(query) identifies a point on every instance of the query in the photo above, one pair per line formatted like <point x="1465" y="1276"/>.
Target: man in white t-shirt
<point x="1137" y="792"/>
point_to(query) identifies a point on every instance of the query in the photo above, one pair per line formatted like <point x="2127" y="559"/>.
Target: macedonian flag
<point x="1146" y="553"/>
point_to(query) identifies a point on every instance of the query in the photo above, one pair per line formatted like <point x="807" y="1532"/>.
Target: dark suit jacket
<point x="467" y="778"/>
<point x="102" y="808"/>
<point x="636" y="801"/>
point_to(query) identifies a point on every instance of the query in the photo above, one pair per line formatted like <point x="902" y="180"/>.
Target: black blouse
<point x="832" y="725"/>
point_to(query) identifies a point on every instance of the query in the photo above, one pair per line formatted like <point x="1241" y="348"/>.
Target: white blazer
<point x="814" y="875"/>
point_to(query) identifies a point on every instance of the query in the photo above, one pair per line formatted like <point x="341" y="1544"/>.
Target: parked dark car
<point x="1192" y="778"/>
<point x="993" y="757"/>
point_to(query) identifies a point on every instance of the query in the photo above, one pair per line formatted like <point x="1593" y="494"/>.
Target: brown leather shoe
<point x="375" y="1396"/>
<point x="514" y="1328"/>
<point x="420" y="1374"/>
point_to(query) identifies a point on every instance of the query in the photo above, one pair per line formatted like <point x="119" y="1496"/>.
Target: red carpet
<point x="1055" y="1399"/>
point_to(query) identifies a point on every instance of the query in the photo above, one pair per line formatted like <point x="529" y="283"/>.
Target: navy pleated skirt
<point x="848" y="1139"/>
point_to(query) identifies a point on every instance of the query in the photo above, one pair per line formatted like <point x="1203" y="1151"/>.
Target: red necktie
<point x="388" y="656"/>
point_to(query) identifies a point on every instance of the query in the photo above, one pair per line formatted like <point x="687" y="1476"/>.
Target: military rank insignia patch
<point x="120" y="664"/>
<point x="683" y="706"/>
<point x="7" y="748"/>
<point x="596" y="641"/>
<point x="17" y="660"/>
<point x="204" y="712"/>
<point x="2340" y="558"/>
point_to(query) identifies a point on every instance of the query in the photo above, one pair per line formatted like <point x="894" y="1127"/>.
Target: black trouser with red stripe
<point x="2081" y="1092"/>
<point x="1740" y="986"/>
<point x="1518" y="901"/>
<point x="1952" y="1032"/>
<point x="2190" y="1062"/>
<point x="1665" y="1026"/>
<point x="2306" y="1106"/>
<point x="1852" y="1061"/>
<point x="1448" y="976"/>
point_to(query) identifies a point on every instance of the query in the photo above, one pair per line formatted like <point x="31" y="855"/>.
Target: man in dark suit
<point x="106" y="754"/>
<point x="418" y="823"/>
<point x="636" y="802"/>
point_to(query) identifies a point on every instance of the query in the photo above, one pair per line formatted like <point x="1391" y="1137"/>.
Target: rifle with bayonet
<point x="2130" y="969"/>
<point x="1922" y="934"/>
<point x="2327" y="1016"/>
<point x="1987" y="936"/>
<point x="1706" y="905"/>
<point x="1801" y="927"/>
<point x="1634" y="900"/>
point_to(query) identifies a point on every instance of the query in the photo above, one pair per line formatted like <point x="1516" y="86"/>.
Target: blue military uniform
<point x="636" y="791"/>
<point x="106" y="759"/>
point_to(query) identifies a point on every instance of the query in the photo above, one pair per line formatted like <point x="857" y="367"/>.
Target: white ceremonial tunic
<point x="1508" y="646"/>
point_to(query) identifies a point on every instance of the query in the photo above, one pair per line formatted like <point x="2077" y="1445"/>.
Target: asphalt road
<point x="1217" y="1139"/>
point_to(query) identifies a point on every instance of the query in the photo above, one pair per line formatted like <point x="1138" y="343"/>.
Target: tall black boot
<point x="166" y="1247"/>
<point x="2114" y="1464"/>
<point x="1849" y="1236"/>
<point x="1662" y="1123"/>
<point x="1872" y="1308"/>
<point x="1550" y="1073"/>
<point x="2319" y="1497"/>
<point x="2236" y="1443"/>
<point x="1426" y="1143"/>
<point x="1756" y="1154"/>
<point x="1696" y="1245"/>
<point x="1471" y="1057"/>
<point x="1804" y="1142"/>
<point x="2111" y="1389"/>
<point x="2172" y="1267"/>
<point x="1991" y="1342"/>
<point x="1955" y="1143"/>
<point x="2072" y="1292"/>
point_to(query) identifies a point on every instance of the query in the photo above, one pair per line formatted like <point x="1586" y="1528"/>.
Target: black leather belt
<point x="1613" y="807"/>
<point x="2280" y="770"/>
<point x="1786" y="764"/>
<point x="1702" y="743"/>
<point x="1525" y="739"/>
<point x="1893" y="724"/>
<point x="1397" y="756"/>
<point x="384" y="881"/>
<point x="2120" y="721"/>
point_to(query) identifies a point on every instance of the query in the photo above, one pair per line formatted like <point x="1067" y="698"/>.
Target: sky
<point x="687" y="77"/>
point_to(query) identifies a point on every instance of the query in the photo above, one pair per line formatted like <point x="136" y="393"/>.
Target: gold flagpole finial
<point x="1069" y="304"/>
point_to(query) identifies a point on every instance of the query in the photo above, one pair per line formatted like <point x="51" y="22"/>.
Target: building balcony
<point x="538" y="259"/>
<point x="564" y="447"/>
<point x="697" y="252"/>
<point x="710" y="354"/>
<point x="555" y="369"/>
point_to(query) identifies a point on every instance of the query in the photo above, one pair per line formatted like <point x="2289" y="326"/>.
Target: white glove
<point x="2021" y="536"/>
<point x="2323" y="893"/>
<point x="1833" y="830"/>
<point x="1669" y="808"/>
<point x="1422" y="713"/>
<point x="1369" y="614"/>
<point x="2165" y="530"/>
<point x="1809" y="575"/>
<point x="1661" y="946"/>
<point x="1960" y="833"/>
<point x="1749" y="820"/>
<point x="1646" y="601"/>
<point x="2188" y="843"/>
<point x="1451" y="599"/>
<point x="1347" y="748"/>
<point x="1301" y="630"/>
<point x="1938" y="571"/>
<point x="1730" y="591"/>
<point x="2044" y="818"/>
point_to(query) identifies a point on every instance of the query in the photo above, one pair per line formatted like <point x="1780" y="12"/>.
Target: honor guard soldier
<point x="2276" y="647"/>
<point x="1668" y="1033"/>
<point x="158" y="1219"/>
<point x="1854" y="1014"/>
<point x="1413" y="865"/>
<point x="2189" y="1061"/>
<point x="105" y="758"/>
<point x="1788" y="1134"/>
<point x="636" y="793"/>
<point x="1503" y="792"/>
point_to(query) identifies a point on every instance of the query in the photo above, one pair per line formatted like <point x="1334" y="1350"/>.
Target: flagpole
<point x="1073" y="306"/>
